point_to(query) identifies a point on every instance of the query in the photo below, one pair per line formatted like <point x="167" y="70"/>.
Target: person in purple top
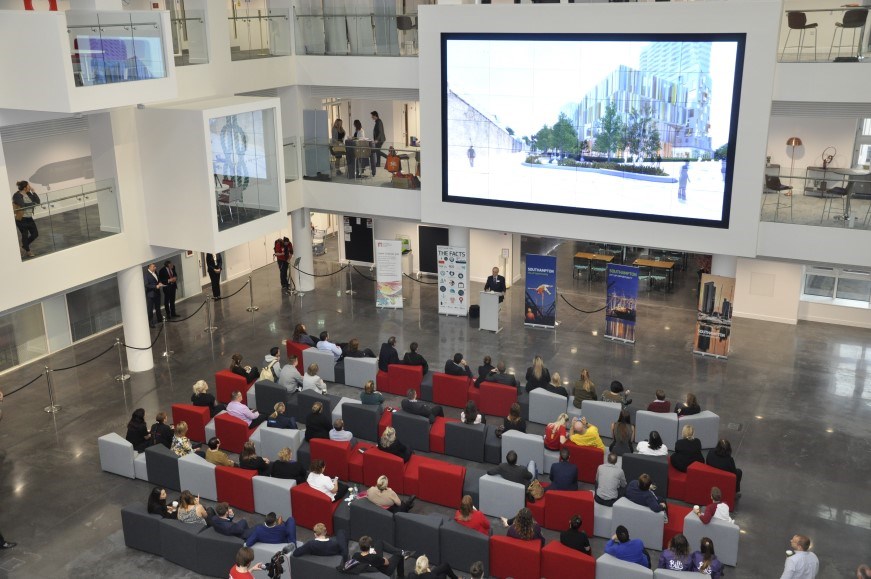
<point x="625" y="549"/>
<point x="677" y="557"/>
<point x="705" y="560"/>
<point x="238" y="410"/>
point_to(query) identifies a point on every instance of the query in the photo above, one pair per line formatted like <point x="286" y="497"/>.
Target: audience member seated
<point x="137" y="431"/>
<point x="653" y="446"/>
<point x="555" y="385"/>
<point x="500" y="377"/>
<point x="677" y="557"/>
<point x="716" y="510"/>
<point x="249" y="460"/>
<point x="721" y="458"/>
<point x="332" y="487"/>
<point x="555" y="433"/>
<point x="157" y="504"/>
<point x="617" y="394"/>
<point x="484" y="371"/>
<point x="511" y="471"/>
<point x="339" y="434"/>
<point x="353" y="350"/>
<point x="640" y="492"/>
<point x="688" y="408"/>
<point x="371" y="396"/>
<point x="575" y="538"/>
<point x="470" y="415"/>
<point x="457" y="366"/>
<point x="388" y="354"/>
<point x="201" y="397"/>
<point x="371" y="560"/>
<point x="323" y="546"/>
<point x="250" y="373"/>
<point x="626" y="549"/>
<point x="317" y="423"/>
<point x="585" y="434"/>
<point x="514" y="421"/>
<point x="386" y="498"/>
<point x="660" y="404"/>
<point x="190" y="510"/>
<point x="272" y="360"/>
<point x="224" y="524"/>
<point x="523" y="526"/>
<point x="414" y="406"/>
<point x="289" y="377"/>
<point x="311" y="380"/>
<point x="388" y="443"/>
<point x="300" y="336"/>
<point x="237" y="409"/>
<point x="687" y="450"/>
<point x="610" y="480"/>
<point x="584" y="389"/>
<point x="325" y="344"/>
<point x="285" y="468"/>
<point x="476" y="570"/>
<point x="273" y="531"/>
<point x="181" y="445"/>
<point x="622" y="433"/>
<point x="563" y="474"/>
<point x="215" y="455"/>
<point x="161" y="433"/>
<point x="243" y="567"/>
<point x="422" y="570"/>
<point x="280" y="419"/>
<point x="705" y="560"/>
<point x="412" y="358"/>
<point x="537" y="376"/>
<point x="470" y="517"/>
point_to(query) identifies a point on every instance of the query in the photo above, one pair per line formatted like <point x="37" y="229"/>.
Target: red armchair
<point x="294" y="349"/>
<point x="677" y="483"/>
<point x="311" y="506"/>
<point x="233" y="432"/>
<point x="376" y="462"/>
<point x="235" y="486"/>
<point x="435" y="481"/>
<point x="700" y="479"/>
<point x="334" y="454"/>
<point x="587" y="459"/>
<point x="450" y="390"/>
<point x="382" y="382"/>
<point x="676" y="515"/>
<point x="386" y="420"/>
<point x="496" y="399"/>
<point x="355" y="462"/>
<point x="437" y="434"/>
<point x="196" y="418"/>
<point x="226" y="382"/>
<point x="561" y="506"/>
<point x="404" y="377"/>
<point x="556" y="558"/>
<point x="518" y="559"/>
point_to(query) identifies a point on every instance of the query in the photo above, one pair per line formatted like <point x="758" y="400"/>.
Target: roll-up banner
<point x="540" y="302"/>
<point x="621" y="300"/>
<point x="388" y="279"/>
<point x="714" y="321"/>
<point x="453" y="280"/>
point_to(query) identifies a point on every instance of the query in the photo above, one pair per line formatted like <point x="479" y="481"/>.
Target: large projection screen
<point x="632" y="126"/>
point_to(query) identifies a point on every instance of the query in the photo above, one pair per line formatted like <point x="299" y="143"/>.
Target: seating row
<point x="349" y="371"/>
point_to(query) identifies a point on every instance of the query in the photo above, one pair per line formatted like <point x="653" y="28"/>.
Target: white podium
<point x="489" y="304"/>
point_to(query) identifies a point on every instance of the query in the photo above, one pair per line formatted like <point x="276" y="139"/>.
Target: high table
<point x="591" y="257"/>
<point x="668" y="266"/>
<point x="850" y="185"/>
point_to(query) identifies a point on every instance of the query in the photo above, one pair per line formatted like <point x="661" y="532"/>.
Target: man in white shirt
<point x="339" y="434"/>
<point x="326" y="344"/>
<point x="238" y="410"/>
<point x="289" y="377"/>
<point x="802" y="564"/>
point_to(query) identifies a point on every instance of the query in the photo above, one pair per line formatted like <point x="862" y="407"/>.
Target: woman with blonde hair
<point x="471" y="518"/>
<point x="388" y="443"/>
<point x="311" y="380"/>
<point x="422" y="570"/>
<point x="190" y="510"/>
<point x="285" y="468"/>
<point x="687" y="450"/>
<point x="584" y="389"/>
<point x="201" y="397"/>
<point x="555" y="433"/>
<point x="279" y="418"/>
<point x="555" y="386"/>
<point x="385" y="497"/>
<point x="370" y="395"/>
<point x="181" y="445"/>
<point x="537" y="376"/>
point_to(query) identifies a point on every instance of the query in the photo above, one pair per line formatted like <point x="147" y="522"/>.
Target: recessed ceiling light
<point x="758" y="417"/>
<point x="667" y="328"/>
<point x="595" y="332"/>
<point x="635" y="361"/>
<point x="830" y="430"/>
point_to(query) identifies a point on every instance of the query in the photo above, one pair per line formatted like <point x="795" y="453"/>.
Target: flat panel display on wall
<point x="632" y="126"/>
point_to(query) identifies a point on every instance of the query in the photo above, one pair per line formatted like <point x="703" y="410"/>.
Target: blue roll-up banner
<point x="621" y="302"/>
<point x="540" y="304"/>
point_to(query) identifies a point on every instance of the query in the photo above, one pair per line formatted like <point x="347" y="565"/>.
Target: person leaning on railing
<point x="23" y="202"/>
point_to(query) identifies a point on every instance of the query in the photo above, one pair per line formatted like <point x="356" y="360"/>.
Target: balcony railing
<point x="291" y="159"/>
<point x="69" y="217"/>
<point x="824" y="34"/>
<point x="821" y="197"/>
<point x="357" y="163"/>
<point x="357" y="34"/>
<point x="255" y="34"/>
<point x="112" y="47"/>
<point x="189" y="38"/>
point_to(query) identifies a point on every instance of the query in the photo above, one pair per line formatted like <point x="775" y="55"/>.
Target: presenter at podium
<point x="495" y="283"/>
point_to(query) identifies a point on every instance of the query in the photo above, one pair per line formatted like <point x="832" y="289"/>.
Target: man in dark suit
<point x="414" y="406"/>
<point x="214" y="265"/>
<point x="324" y="546"/>
<point x="224" y="524"/>
<point x="458" y="366"/>
<point x="388" y="354"/>
<point x="168" y="278"/>
<point x="152" y="294"/>
<point x="511" y="471"/>
<point x="500" y="377"/>
<point x="563" y="475"/>
<point x="495" y="283"/>
<point x="412" y="358"/>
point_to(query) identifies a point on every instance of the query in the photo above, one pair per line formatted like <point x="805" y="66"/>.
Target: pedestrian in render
<point x="682" y="182"/>
<point x="471" y="155"/>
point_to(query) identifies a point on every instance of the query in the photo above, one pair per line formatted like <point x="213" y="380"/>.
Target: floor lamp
<point x="792" y="142"/>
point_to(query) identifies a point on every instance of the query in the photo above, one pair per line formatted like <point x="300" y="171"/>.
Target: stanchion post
<point x="167" y="353"/>
<point x="209" y="327"/>
<point x="52" y="408"/>
<point x="350" y="292"/>
<point x="123" y="376"/>
<point x="252" y="307"/>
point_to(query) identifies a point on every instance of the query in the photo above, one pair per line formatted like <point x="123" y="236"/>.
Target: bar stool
<point x="798" y="21"/>
<point x="829" y="200"/>
<point x="853" y="19"/>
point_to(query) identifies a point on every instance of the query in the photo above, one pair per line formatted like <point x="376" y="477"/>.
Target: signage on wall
<point x="714" y="318"/>
<point x="453" y="280"/>
<point x="621" y="301"/>
<point x="388" y="278"/>
<point x="539" y="308"/>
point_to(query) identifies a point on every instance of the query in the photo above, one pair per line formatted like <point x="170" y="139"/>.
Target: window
<point x="844" y="286"/>
<point x="22" y="336"/>
<point x="94" y="308"/>
<point x="862" y="149"/>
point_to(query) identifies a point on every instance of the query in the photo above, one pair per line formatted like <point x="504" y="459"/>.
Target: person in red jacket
<point x="470" y="517"/>
<point x="660" y="404"/>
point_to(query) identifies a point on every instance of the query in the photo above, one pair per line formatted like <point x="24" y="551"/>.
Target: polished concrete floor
<point x="795" y="402"/>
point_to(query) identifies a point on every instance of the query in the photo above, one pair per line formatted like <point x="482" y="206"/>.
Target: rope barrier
<point x="344" y="267"/>
<point x="86" y="361"/>
<point x="232" y="294"/>
<point x="363" y="276"/>
<point x="192" y="315"/>
<point x="579" y="309"/>
<point x="152" y="343"/>
<point x="23" y="387"/>
<point x="421" y="282"/>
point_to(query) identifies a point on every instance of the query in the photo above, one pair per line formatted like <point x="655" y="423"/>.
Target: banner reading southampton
<point x="714" y="322"/>
<point x="453" y="280"/>
<point x="621" y="300"/>
<point x="388" y="279"/>
<point x="540" y="303"/>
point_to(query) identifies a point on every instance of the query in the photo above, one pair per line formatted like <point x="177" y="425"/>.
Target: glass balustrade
<point x="259" y="32"/>
<point x="189" y="38"/>
<point x="358" y="32"/>
<point x="821" y="197"/>
<point x="112" y="47"/>
<point x="67" y="217"/>
<point x="821" y="33"/>
<point x="361" y="163"/>
<point x="291" y="159"/>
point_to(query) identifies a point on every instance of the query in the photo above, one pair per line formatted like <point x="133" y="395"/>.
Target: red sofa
<point x="496" y="399"/>
<point x="334" y="454"/>
<point x="700" y="479"/>
<point x="441" y="483"/>
<point x="561" y="506"/>
<point x="556" y="559"/>
<point x="226" y="382"/>
<point x="235" y="486"/>
<point x="587" y="459"/>
<point x="296" y="350"/>
<point x="311" y="506"/>
<point x="517" y="559"/>
<point x="411" y="485"/>
<point x="196" y="418"/>
<point x="402" y="377"/>
<point x="450" y="390"/>
<point x="437" y="434"/>
<point x="233" y="432"/>
<point x="677" y="483"/>
<point x="376" y="462"/>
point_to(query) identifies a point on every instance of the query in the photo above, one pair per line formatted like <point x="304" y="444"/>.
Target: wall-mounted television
<point x="631" y="126"/>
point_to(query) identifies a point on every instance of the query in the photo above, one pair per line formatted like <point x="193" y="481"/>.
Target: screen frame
<point x="740" y="38"/>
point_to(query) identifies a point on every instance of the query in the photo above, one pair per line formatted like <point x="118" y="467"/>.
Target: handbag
<point x="535" y="490"/>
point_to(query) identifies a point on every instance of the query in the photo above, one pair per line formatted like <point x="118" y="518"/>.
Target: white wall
<point x="767" y="290"/>
<point x="24" y="158"/>
<point x="390" y="228"/>
<point x="486" y="252"/>
<point x="859" y="317"/>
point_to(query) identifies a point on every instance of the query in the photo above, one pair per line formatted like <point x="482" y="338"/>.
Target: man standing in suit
<point x="378" y="139"/>
<point x="414" y="406"/>
<point x="458" y="366"/>
<point x="152" y="294"/>
<point x="495" y="283"/>
<point x="168" y="278"/>
<point x="388" y="354"/>
<point x="214" y="265"/>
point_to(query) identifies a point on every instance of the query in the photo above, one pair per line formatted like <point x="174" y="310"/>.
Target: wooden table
<point x="591" y="257"/>
<point x="668" y="266"/>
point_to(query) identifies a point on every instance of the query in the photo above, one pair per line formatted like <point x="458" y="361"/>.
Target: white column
<point x="134" y="315"/>
<point x="300" y="222"/>
<point x="104" y="163"/>
<point x="725" y="265"/>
